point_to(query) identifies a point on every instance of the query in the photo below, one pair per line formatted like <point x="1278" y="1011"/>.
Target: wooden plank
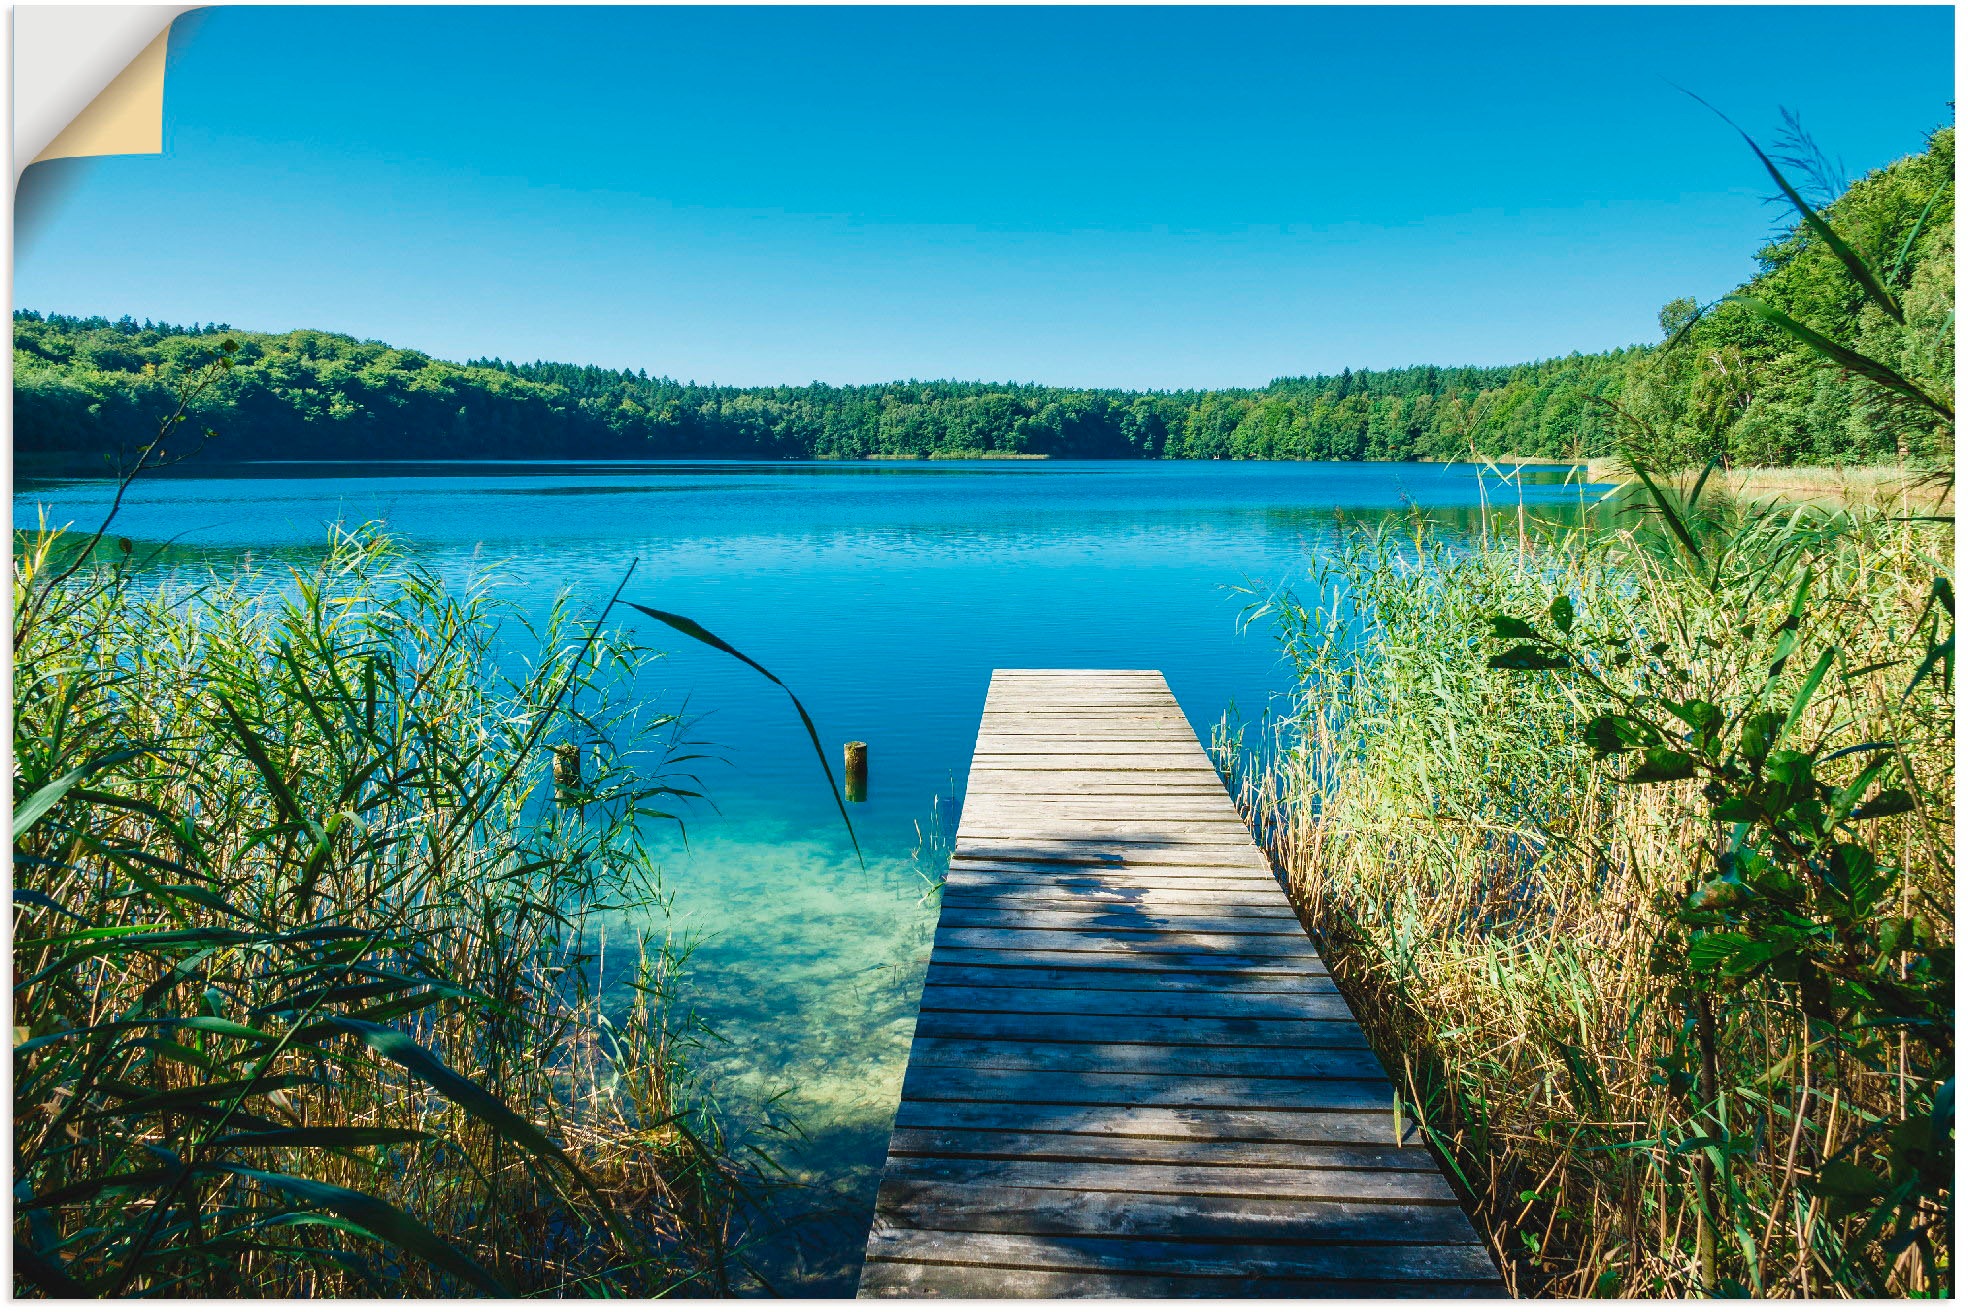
<point x="1097" y="865"/>
<point x="1042" y="1027"/>
<point x="1069" y="807"/>
<point x="1122" y="918"/>
<point x="1002" y="1209"/>
<point x="1039" y="824"/>
<point x="1120" y="940"/>
<point x="1377" y="1153"/>
<point x="1221" y="888"/>
<point x="1086" y="738"/>
<point x="1208" y="841"/>
<point x="1130" y="805"/>
<point x="1211" y="1124"/>
<point x="1074" y="852"/>
<point x="1432" y="1262"/>
<point x="1160" y="981"/>
<point x="1068" y="677"/>
<point x="1142" y="762"/>
<point x="1100" y="783"/>
<point x="1165" y="832"/>
<point x="1183" y="909"/>
<point x="893" y="1279"/>
<point x="1098" y="680"/>
<point x="1117" y="818"/>
<point x="1122" y="848"/>
<point x="1138" y="1058"/>
<point x="1081" y="701"/>
<point x="1160" y="901"/>
<point x="1145" y="886"/>
<point x="1231" y="965"/>
<point x="1053" y="1000"/>
<point x="1131" y="1073"/>
<point x="1125" y="724"/>
<point x="1200" y="914"/>
<point x="1086" y="1088"/>
<point x="1042" y="722"/>
<point x="1172" y="741"/>
<point x="1418" y="1182"/>
<point x="1145" y="879"/>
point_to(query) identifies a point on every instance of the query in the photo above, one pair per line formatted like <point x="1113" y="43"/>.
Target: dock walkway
<point x="1131" y="1074"/>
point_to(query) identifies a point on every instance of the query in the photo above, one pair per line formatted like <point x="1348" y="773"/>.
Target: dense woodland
<point x="1724" y="384"/>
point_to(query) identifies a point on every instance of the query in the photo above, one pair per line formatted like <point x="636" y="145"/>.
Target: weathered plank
<point x="1093" y="878"/>
<point x="1132" y="737"/>
<point x="1452" y="1262"/>
<point x="1122" y="940"/>
<point x="1131" y="1074"/>
<point x="1101" y="783"/>
<point x="1111" y="809"/>
<point x="1141" y="1058"/>
<point x="1182" y="1031"/>
<point x="1049" y="999"/>
<point x="1161" y="981"/>
<point x="1189" y="764"/>
<point x="1374" y="1153"/>
<point x="1164" y="899"/>
<point x="1240" y="1124"/>
<point x="1197" y="832"/>
<point x="1232" y="965"/>
<point x="1130" y="918"/>
<point x="1067" y="869"/>
<point x="1109" y="852"/>
<point x="886" y="1279"/>
<point x="1005" y="1209"/>
<point x="1122" y="960"/>
<point x="1420" y="1183"/>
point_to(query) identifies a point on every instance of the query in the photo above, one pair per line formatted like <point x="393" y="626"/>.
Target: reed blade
<point x="692" y="629"/>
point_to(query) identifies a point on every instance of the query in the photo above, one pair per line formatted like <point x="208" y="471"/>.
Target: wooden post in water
<point x="567" y="772"/>
<point x="857" y="772"/>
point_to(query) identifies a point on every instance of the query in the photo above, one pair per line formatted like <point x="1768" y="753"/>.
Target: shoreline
<point x="1875" y="485"/>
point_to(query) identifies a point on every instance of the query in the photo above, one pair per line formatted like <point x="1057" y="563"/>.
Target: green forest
<point x="1719" y="382"/>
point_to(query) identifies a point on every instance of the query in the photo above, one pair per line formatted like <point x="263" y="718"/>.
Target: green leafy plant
<point x="1793" y="902"/>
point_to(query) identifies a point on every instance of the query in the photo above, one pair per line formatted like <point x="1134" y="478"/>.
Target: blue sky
<point x="1141" y="197"/>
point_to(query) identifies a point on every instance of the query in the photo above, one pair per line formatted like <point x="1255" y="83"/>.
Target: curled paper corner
<point x="71" y="50"/>
<point x="126" y="118"/>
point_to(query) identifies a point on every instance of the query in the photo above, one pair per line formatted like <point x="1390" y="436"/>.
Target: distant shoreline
<point x="959" y="455"/>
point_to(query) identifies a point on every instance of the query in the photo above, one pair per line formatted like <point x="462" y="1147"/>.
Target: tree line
<point x="1723" y="383"/>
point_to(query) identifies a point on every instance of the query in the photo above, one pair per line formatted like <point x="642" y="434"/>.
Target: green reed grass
<point x="1505" y="912"/>
<point x="306" y="999"/>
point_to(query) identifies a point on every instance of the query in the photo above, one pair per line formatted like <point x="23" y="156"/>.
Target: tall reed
<point x="1512" y="917"/>
<point x="306" y="1000"/>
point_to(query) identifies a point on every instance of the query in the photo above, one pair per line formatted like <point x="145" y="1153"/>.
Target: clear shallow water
<point x="884" y="594"/>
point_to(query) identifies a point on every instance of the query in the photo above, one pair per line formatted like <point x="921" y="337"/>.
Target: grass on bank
<point x="305" y="1004"/>
<point x="1900" y="489"/>
<point x="1646" y="1086"/>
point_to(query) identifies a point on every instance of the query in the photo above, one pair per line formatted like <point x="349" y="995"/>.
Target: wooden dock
<point x="1131" y="1074"/>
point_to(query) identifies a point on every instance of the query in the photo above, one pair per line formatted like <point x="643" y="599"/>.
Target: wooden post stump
<point x="567" y="772"/>
<point x="857" y="772"/>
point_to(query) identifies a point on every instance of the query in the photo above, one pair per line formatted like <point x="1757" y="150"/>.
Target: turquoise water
<point x="884" y="593"/>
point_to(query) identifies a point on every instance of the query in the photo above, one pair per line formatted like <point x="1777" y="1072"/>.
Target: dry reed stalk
<point x="1490" y="898"/>
<point x="280" y="830"/>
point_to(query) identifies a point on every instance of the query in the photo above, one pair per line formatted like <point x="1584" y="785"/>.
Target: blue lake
<point x="885" y="594"/>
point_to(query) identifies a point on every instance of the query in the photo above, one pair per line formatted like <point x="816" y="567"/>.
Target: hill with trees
<point x="1724" y="383"/>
